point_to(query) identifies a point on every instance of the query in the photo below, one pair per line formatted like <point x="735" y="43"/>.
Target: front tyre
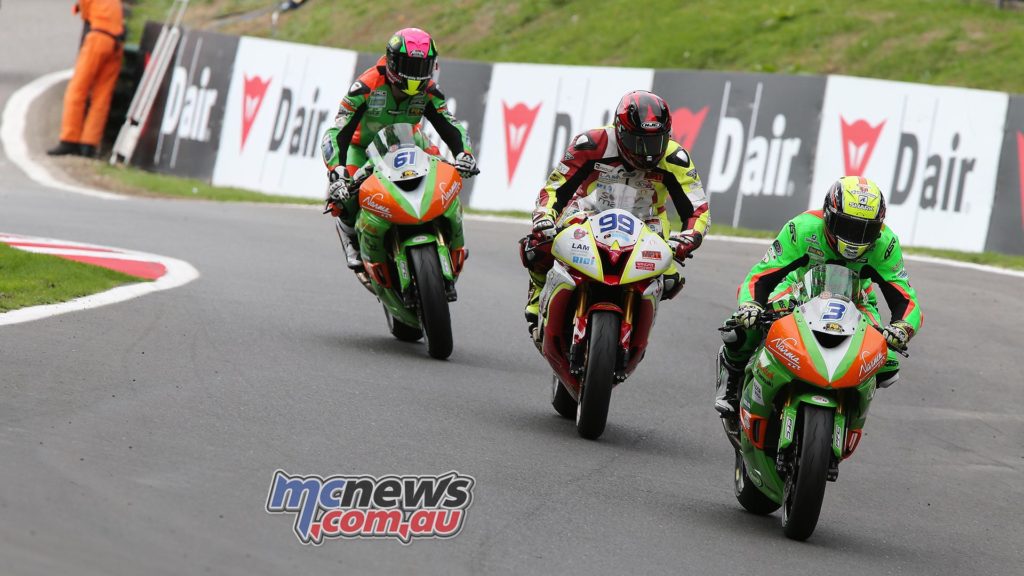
<point x="561" y="399"/>
<point x="400" y="330"/>
<point x="805" y="485"/>
<point x="433" y="301"/>
<point x="599" y="376"/>
<point x="749" y="496"/>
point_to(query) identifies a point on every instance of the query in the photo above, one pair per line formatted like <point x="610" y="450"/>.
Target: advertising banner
<point x="282" y="98"/>
<point x="934" y="150"/>
<point x="752" y="138"/>
<point x="1006" y="231"/>
<point x="532" y="113"/>
<point x="185" y="124"/>
<point x="465" y="85"/>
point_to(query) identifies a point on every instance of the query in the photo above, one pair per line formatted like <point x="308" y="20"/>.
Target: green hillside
<point x="955" y="42"/>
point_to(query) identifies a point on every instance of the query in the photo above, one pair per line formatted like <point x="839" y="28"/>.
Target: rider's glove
<point x="684" y="243"/>
<point x="465" y="163"/>
<point x="543" y="226"/>
<point x="339" y="183"/>
<point x="337" y="193"/>
<point x="898" y="334"/>
<point x="748" y="314"/>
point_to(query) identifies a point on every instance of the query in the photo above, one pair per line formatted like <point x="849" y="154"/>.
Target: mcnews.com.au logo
<point x="400" y="507"/>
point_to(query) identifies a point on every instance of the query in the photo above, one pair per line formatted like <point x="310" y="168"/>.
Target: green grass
<point x="142" y="182"/>
<point x="28" y="279"/>
<point x="955" y="42"/>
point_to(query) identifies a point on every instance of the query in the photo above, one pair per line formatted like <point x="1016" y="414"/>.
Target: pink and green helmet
<point x="411" y="60"/>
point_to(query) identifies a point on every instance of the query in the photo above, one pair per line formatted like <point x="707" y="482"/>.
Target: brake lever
<point x="903" y="353"/>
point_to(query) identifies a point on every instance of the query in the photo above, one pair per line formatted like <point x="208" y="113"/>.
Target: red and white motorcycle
<point x="598" y="306"/>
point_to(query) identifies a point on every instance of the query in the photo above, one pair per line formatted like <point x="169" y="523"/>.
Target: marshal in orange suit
<point x="87" y="99"/>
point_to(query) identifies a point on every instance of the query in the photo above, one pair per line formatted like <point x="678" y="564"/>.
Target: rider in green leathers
<point x="849" y="230"/>
<point x="399" y="89"/>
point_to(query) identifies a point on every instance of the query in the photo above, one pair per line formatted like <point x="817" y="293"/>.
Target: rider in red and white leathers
<point x="635" y="153"/>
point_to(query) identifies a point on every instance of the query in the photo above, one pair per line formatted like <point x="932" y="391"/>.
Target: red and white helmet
<point x="643" y="127"/>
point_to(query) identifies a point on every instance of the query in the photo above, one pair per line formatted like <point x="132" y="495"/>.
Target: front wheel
<point x="433" y="301"/>
<point x="805" y="484"/>
<point x="599" y="376"/>
<point x="749" y="496"/>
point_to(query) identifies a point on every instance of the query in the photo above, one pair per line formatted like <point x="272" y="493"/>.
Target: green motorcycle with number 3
<point x="805" y="398"/>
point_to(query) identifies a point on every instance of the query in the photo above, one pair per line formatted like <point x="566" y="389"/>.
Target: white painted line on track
<point x="178" y="273"/>
<point x="12" y="134"/>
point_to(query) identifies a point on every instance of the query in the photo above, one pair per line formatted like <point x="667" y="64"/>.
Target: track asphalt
<point x="141" y="438"/>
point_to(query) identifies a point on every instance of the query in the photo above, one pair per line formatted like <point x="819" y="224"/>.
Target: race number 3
<point x="610" y="222"/>
<point x="836" y="311"/>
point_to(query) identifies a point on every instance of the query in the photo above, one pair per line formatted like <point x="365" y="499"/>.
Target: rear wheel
<point x="749" y="496"/>
<point x="433" y="301"/>
<point x="805" y="484"/>
<point x="561" y="399"/>
<point x="599" y="377"/>
<point x="400" y="330"/>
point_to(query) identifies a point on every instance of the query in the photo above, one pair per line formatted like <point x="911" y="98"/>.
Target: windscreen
<point x="833" y="281"/>
<point x="391" y="139"/>
<point x="620" y="194"/>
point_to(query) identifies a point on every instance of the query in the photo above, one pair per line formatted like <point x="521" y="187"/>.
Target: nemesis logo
<point x="869" y="365"/>
<point x="399" y="507"/>
<point x="686" y="125"/>
<point x="252" y="99"/>
<point x="373" y="203"/>
<point x="518" y="125"/>
<point x="859" y="139"/>
<point x="781" y="347"/>
<point x="448" y="193"/>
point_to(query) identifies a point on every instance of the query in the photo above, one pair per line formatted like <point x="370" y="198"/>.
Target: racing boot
<point x="532" y="311"/>
<point x="350" y="242"/>
<point x="727" y="396"/>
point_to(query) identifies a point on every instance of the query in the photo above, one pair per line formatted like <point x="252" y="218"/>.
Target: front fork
<point x="378" y="253"/>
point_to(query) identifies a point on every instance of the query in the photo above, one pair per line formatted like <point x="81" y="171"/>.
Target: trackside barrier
<point x="251" y="113"/>
<point x="142" y="102"/>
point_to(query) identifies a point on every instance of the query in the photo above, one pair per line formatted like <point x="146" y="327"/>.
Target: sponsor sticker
<point x="783" y="349"/>
<point x="584" y="260"/>
<point x="652" y="254"/>
<point x="641" y="265"/>
<point x="832" y="327"/>
<point x="869" y="364"/>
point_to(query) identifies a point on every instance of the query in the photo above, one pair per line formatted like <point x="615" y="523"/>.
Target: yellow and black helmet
<point x="854" y="213"/>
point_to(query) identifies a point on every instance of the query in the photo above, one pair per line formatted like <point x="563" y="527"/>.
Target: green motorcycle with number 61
<point x="410" y="236"/>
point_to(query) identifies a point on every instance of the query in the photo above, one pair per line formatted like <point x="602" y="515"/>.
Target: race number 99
<point x="610" y="222"/>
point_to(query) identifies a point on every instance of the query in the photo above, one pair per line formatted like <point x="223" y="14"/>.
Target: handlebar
<point x="767" y="317"/>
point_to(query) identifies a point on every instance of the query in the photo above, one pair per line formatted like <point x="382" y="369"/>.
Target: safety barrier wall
<point x="250" y="113"/>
